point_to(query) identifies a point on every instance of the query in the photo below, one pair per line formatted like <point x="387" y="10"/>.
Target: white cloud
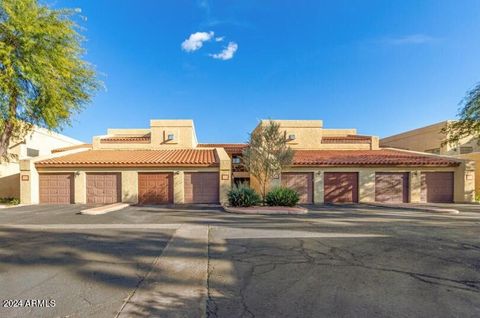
<point x="410" y="39"/>
<point x="195" y="41"/>
<point x="227" y="52"/>
<point x="219" y="38"/>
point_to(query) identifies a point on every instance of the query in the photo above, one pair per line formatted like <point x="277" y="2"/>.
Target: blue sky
<point x="379" y="66"/>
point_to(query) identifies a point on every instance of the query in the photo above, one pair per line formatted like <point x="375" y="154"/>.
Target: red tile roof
<point x="349" y="139"/>
<point x="126" y="139"/>
<point x="137" y="158"/>
<point x="71" y="148"/>
<point x="383" y="157"/>
<point x="229" y="148"/>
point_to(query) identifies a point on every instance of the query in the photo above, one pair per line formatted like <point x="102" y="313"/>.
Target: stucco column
<point x="366" y="185"/>
<point x="415" y="186"/>
<point x="80" y="187"/>
<point x="318" y="190"/>
<point x="464" y="182"/>
<point x="179" y="187"/>
<point x="130" y="187"/>
<point x="225" y="175"/>
<point x="29" y="183"/>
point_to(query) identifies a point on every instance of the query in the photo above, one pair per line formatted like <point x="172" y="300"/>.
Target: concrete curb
<point x="414" y="207"/>
<point x="177" y="284"/>
<point x="266" y="211"/>
<point x="105" y="209"/>
<point x="9" y="206"/>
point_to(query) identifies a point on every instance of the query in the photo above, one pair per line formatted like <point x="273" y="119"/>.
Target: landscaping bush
<point x="282" y="196"/>
<point x="243" y="196"/>
<point x="9" y="201"/>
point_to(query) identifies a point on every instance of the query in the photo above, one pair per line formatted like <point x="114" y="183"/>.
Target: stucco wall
<point x="130" y="187"/>
<point x="39" y="139"/>
<point x="225" y="174"/>
<point x="179" y="187"/>
<point x="366" y="185"/>
<point x="10" y="180"/>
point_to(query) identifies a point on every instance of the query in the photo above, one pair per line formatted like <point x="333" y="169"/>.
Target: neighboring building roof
<point x="229" y="148"/>
<point x="137" y="158"/>
<point x="126" y="139"/>
<point x="71" y="148"/>
<point x="349" y="139"/>
<point x="383" y="157"/>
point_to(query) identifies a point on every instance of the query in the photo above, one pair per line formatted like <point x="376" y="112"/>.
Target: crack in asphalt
<point x="259" y="258"/>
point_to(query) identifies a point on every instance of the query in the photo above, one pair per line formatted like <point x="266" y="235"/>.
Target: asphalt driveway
<point x="349" y="261"/>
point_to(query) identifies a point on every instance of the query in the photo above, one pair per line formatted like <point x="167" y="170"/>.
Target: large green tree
<point x="267" y="154"/>
<point x="468" y="123"/>
<point x="43" y="76"/>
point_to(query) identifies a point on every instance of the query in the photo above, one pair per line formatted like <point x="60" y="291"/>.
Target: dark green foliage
<point x="282" y="196"/>
<point x="9" y="201"/>
<point x="243" y="196"/>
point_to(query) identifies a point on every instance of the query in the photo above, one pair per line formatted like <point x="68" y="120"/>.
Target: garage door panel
<point x="391" y="187"/>
<point x="155" y="188"/>
<point x="302" y="182"/>
<point x="56" y="188"/>
<point x="201" y="187"/>
<point x="437" y="187"/>
<point x="103" y="188"/>
<point x="340" y="187"/>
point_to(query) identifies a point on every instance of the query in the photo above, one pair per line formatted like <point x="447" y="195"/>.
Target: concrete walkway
<point x="177" y="284"/>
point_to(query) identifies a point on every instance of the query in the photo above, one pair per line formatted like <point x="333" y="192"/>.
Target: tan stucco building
<point x="38" y="142"/>
<point x="165" y="164"/>
<point x="430" y="139"/>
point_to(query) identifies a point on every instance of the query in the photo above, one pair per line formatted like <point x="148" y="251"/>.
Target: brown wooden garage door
<point x="155" y="188"/>
<point x="340" y="187"/>
<point x="201" y="187"/>
<point x="103" y="188"/>
<point x="391" y="187"/>
<point x="56" y="188"/>
<point x="437" y="187"/>
<point x="302" y="182"/>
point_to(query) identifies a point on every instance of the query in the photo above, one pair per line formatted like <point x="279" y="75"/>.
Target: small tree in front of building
<point x="267" y="154"/>
<point x="44" y="78"/>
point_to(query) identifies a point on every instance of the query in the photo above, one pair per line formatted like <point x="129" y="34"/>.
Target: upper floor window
<point x="464" y="150"/>
<point x="32" y="152"/>
<point x="236" y="160"/>
<point x="170" y="136"/>
<point x="435" y="151"/>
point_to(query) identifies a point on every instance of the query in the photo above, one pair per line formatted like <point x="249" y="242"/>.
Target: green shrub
<point x="243" y="196"/>
<point x="477" y="197"/>
<point x="10" y="201"/>
<point x="282" y="196"/>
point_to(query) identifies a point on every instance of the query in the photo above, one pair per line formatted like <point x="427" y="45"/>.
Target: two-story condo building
<point x="165" y="164"/>
<point x="431" y="139"/>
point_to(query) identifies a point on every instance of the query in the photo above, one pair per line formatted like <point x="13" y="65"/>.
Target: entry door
<point x="201" y="187"/>
<point x="103" y="188"/>
<point x="437" y="187"/>
<point x="302" y="182"/>
<point x="155" y="188"/>
<point x="391" y="187"/>
<point x="56" y="188"/>
<point x="340" y="187"/>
